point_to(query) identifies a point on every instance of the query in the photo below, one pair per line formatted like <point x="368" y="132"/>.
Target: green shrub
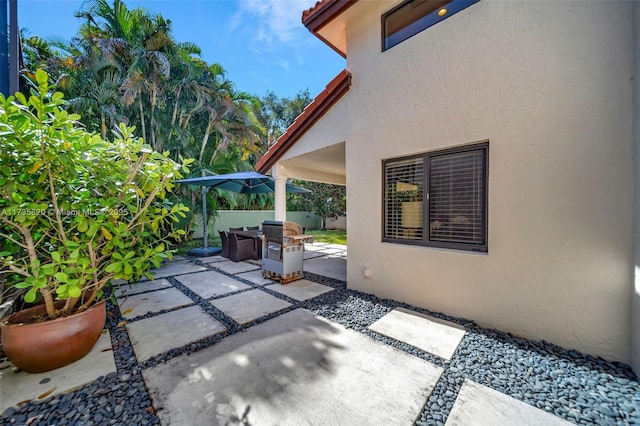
<point x="77" y="211"/>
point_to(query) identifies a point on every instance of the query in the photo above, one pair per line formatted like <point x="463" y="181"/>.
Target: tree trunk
<point x="152" y="124"/>
<point x="175" y="111"/>
<point x="103" y="127"/>
<point x="144" y="130"/>
<point x="324" y="223"/>
<point x="205" y="139"/>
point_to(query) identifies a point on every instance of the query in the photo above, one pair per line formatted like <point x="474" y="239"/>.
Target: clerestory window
<point x="414" y="16"/>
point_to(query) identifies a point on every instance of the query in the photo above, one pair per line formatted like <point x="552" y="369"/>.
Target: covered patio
<point x="322" y="158"/>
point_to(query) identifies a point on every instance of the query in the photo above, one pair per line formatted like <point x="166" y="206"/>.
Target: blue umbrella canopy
<point x="240" y="182"/>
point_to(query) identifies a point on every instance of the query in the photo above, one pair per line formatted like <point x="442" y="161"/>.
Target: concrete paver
<point x="211" y="283"/>
<point x="231" y="267"/>
<point x="249" y="305"/>
<point x="331" y="250"/>
<point x="155" y="335"/>
<point x="156" y="301"/>
<point x="317" y="244"/>
<point x="255" y="277"/>
<point x="176" y="268"/>
<point x="341" y="247"/>
<point x="295" y="369"/>
<point x="332" y="266"/>
<point x="140" y="287"/>
<point x="313" y="254"/>
<point x="22" y="386"/>
<point x="314" y="247"/>
<point x="300" y="290"/>
<point x="212" y="259"/>
<point x="479" y="405"/>
<point x="430" y="334"/>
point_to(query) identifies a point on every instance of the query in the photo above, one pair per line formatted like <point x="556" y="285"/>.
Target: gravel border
<point x="580" y="388"/>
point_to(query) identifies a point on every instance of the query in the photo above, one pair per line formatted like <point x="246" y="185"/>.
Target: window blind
<point x="456" y="197"/>
<point x="403" y="200"/>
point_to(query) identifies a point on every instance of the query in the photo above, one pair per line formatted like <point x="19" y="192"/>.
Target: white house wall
<point x="549" y="85"/>
<point x="635" y="339"/>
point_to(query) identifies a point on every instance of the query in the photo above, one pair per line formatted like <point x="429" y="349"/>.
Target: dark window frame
<point x="421" y="23"/>
<point x="483" y="247"/>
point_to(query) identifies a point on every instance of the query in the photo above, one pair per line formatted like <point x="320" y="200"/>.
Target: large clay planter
<point x="48" y="345"/>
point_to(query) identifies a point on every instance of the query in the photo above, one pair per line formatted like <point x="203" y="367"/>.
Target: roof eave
<point x="323" y="13"/>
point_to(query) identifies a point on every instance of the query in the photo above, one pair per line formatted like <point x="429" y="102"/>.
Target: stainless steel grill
<point x="283" y="251"/>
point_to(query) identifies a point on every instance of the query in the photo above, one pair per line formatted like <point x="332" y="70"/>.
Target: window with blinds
<point x="403" y="204"/>
<point x="438" y="199"/>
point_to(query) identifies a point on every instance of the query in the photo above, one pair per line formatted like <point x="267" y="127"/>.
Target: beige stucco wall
<point x="635" y="339"/>
<point x="549" y="85"/>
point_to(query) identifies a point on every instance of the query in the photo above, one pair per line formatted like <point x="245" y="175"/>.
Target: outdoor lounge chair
<point x="236" y="229"/>
<point x="240" y="249"/>
<point x="225" y="243"/>
<point x="253" y="228"/>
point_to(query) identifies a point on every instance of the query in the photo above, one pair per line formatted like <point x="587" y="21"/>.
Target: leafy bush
<point x="77" y="211"/>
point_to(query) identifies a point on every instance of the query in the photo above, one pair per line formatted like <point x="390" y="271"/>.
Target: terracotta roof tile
<point x="323" y="12"/>
<point x="312" y="113"/>
<point x="314" y="9"/>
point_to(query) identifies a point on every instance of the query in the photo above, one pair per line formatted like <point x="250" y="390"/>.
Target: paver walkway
<point x="17" y="387"/>
<point x="294" y="369"/>
<point x="218" y="344"/>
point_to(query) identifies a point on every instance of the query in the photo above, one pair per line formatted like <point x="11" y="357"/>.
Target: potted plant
<point x="75" y="212"/>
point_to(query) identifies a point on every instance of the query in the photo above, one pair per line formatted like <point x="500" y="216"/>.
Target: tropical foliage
<point x="325" y="200"/>
<point x="124" y="66"/>
<point x="277" y="113"/>
<point x="77" y="211"/>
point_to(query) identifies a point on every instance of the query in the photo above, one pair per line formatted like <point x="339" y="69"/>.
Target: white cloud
<point x="271" y="21"/>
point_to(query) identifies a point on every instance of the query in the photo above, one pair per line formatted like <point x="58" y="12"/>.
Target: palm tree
<point x="101" y="95"/>
<point x="124" y="65"/>
<point x="241" y="124"/>
<point x="140" y="44"/>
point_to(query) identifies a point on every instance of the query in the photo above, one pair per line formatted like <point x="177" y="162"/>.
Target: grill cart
<point x="283" y="250"/>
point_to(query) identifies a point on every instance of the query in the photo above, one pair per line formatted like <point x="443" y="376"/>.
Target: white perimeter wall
<point x="549" y="84"/>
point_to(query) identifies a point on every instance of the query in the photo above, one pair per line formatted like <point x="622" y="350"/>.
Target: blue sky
<point x="260" y="43"/>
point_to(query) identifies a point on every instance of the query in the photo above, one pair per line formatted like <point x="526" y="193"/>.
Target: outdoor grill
<point x="283" y="251"/>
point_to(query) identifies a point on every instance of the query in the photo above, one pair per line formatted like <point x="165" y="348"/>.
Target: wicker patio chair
<point x="240" y="249"/>
<point x="224" y="238"/>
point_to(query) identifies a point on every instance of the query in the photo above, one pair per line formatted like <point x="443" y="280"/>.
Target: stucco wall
<point x="635" y="337"/>
<point x="550" y="88"/>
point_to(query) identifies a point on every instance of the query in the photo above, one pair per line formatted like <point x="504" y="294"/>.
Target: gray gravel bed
<point x="120" y="398"/>
<point x="577" y="387"/>
<point x="580" y="388"/>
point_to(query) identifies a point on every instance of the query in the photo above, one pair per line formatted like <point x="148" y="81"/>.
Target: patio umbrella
<point x="240" y="182"/>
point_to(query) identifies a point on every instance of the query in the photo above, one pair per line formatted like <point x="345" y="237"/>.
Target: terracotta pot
<point x="48" y="345"/>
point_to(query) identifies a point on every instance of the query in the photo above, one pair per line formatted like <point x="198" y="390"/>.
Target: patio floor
<point x="211" y="342"/>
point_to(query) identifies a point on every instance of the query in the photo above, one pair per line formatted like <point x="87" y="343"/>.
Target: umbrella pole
<point x="204" y="213"/>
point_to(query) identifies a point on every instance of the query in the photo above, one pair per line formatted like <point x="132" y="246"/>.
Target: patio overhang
<point x="325" y="21"/>
<point x="326" y="165"/>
